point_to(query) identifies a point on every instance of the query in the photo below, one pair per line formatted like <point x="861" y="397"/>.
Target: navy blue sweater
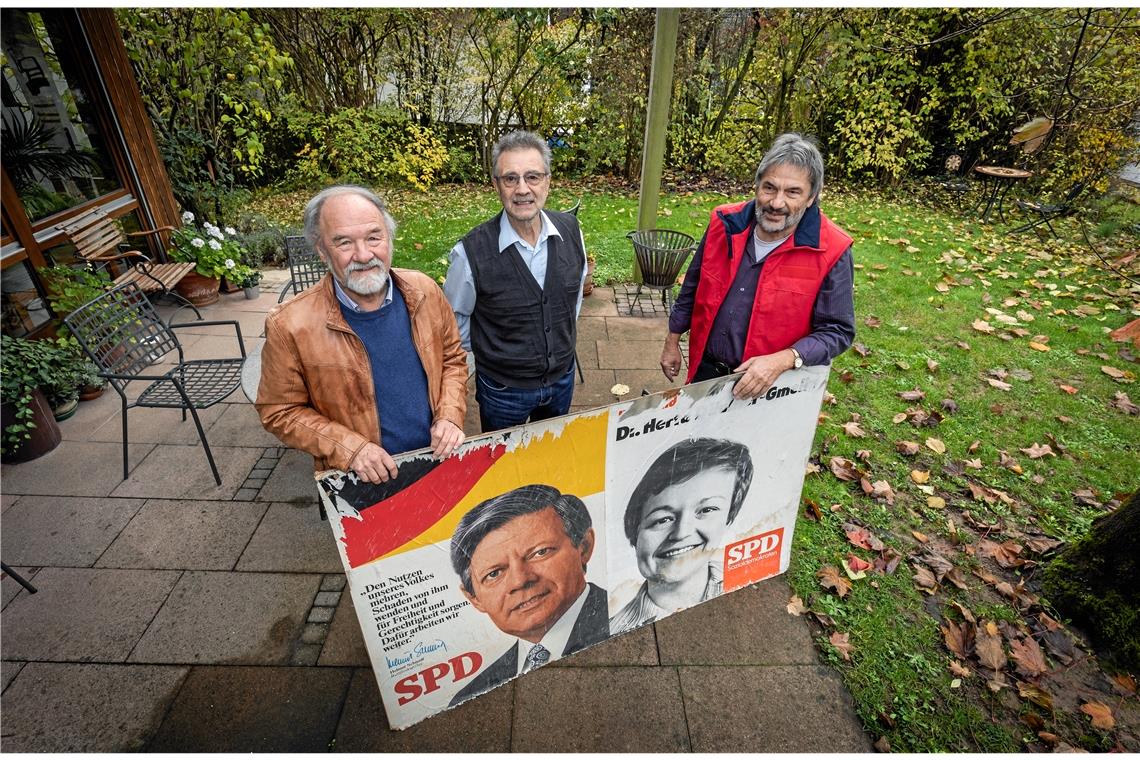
<point x="398" y="377"/>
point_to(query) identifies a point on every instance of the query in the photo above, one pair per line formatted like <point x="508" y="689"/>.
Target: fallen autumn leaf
<point x="796" y="606"/>
<point x="829" y="577"/>
<point x="1101" y="715"/>
<point x="841" y="642"/>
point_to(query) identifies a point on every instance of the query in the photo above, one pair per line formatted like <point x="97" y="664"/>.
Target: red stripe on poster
<point x="391" y="523"/>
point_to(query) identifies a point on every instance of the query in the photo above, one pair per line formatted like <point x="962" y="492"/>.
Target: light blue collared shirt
<point x="343" y="296"/>
<point x="459" y="287"/>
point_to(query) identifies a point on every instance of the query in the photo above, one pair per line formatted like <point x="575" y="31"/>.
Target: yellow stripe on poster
<point x="572" y="460"/>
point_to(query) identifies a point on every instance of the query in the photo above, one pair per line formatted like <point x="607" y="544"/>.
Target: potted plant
<point x="69" y="288"/>
<point x="91" y="383"/>
<point x="214" y="254"/>
<point x="35" y="376"/>
<point x="250" y="279"/>
<point x="65" y="376"/>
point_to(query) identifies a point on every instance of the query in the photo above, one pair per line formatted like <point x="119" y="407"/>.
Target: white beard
<point x="366" y="282"/>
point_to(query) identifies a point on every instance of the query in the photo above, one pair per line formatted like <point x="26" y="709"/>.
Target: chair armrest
<point x="205" y="323"/>
<point x="129" y="378"/>
<point x="155" y="231"/>
<point x="109" y="257"/>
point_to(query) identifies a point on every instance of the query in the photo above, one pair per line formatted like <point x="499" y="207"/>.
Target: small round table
<point x="251" y="373"/>
<point x="997" y="180"/>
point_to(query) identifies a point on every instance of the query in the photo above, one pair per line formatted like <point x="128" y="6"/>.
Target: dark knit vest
<point x="523" y="336"/>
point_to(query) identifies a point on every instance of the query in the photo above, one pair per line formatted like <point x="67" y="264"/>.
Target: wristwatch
<point x="797" y="361"/>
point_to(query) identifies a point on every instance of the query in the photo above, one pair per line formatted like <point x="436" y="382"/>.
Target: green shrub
<point x="368" y="146"/>
<point x="462" y="165"/>
<point x="263" y="240"/>
<point x="54" y="366"/>
<point x="69" y="288"/>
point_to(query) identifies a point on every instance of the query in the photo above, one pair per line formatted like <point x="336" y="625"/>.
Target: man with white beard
<point x="770" y="286"/>
<point x="355" y="371"/>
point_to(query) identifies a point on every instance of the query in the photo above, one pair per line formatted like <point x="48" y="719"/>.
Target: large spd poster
<point x="534" y="543"/>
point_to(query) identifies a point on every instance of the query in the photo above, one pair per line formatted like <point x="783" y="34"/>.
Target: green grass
<point x="900" y="666"/>
<point x="898" y="673"/>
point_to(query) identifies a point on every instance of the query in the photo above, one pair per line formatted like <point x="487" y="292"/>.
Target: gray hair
<point x="796" y="150"/>
<point x="314" y="206"/>
<point x="520" y="140"/>
<point x="496" y="512"/>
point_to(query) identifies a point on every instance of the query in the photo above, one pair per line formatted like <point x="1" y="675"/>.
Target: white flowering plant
<point x="216" y="252"/>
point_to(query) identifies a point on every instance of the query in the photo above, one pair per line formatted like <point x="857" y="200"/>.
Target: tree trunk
<point x="1096" y="582"/>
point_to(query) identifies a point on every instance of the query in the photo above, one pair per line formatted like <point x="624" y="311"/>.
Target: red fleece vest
<point x="785" y="296"/>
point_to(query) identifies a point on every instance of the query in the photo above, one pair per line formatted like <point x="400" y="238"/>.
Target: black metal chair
<point x="305" y="266"/>
<point x="1040" y="212"/>
<point x="574" y="210"/>
<point x="123" y="335"/>
<point x="954" y="179"/>
<point x="18" y="578"/>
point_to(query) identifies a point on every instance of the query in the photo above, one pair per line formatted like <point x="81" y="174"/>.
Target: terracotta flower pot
<point x="91" y="392"/>
<point x="45" y="435"/>
<point x="199" y="290"/>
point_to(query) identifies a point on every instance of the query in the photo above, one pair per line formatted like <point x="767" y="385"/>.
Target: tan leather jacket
<point x="316" y="390"/>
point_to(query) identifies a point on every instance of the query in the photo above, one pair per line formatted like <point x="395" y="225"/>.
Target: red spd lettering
<point x="411" y="688"/>
<point x="752" y="559"/>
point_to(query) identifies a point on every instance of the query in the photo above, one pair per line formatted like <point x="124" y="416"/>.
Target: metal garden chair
<point x="1041" y="212"/>
<point x="123" y="335"/>
<point x="954" y="179"/>
<point x="574" y="210"/>
<point x="305" y="267"/>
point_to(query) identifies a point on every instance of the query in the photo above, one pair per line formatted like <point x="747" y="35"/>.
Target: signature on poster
<point x="400" y="662"/>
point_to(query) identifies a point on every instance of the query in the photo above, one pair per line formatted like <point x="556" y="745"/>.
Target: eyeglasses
<point x="511" y="181"/>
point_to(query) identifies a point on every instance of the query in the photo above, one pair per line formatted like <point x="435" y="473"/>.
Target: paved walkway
<point x="174" y="614"/>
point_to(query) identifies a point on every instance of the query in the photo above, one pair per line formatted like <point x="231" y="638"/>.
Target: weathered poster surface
<point x="535" y="543"/>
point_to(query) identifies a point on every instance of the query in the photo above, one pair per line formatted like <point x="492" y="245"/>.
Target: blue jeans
<point x="501" y="406"/>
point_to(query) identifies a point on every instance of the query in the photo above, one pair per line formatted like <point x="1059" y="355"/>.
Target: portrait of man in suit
<point x="521" y="559"/>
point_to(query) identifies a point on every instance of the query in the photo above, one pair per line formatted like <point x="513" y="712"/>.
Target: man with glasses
<point x="515" y="284"/>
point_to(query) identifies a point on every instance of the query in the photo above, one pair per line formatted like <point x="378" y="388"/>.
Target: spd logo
<point x="752" y="559"/>
<point x="426" y="681"/>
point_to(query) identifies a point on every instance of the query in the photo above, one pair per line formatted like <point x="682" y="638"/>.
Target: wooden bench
<point x="99" y="240"/>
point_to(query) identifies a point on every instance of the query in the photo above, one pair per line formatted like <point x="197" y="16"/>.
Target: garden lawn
<point x="1015" y="433"/>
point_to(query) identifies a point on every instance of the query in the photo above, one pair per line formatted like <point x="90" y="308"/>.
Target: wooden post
<point x="656" y="119"/>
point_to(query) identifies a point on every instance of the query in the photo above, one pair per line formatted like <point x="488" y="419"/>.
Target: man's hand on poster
<point x="760" y="372"/>
<point x="671" y="357"/>
<point x="373" y="464"/>
<point x="445" y="438"/>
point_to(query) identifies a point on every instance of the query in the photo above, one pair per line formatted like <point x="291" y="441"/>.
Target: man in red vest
<point x="770" y="286"/>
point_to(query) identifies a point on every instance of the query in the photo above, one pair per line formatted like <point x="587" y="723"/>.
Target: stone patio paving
<point x="176" y="615"/>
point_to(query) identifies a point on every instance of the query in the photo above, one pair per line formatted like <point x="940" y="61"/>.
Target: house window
<point x="23" y="307"/>
<point x="53" y="148"/>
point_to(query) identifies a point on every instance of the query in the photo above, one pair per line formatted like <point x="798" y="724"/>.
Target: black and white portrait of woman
<point x="676" y="520"/>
